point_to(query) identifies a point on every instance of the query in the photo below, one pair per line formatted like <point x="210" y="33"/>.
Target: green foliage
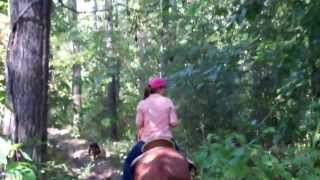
<point x="231" y="157"/>
<point x="18" y="170"/>
<point x="232" y="66"/>
<point x="57" y="171"/>
<point x="3" y="6"/>
<point x="4" y="151"/>
<point x="249" y="66"/>
<point x="120" y="149"/>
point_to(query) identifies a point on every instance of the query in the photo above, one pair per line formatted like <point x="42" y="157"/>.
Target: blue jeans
<point x="136" y="151"/>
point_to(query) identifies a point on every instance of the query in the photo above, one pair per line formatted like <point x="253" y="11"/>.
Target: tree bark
<point x="141" y="39"/>
<point x="27" y="75"/>
<point x="113" y="86"/>
<point x="262" y="85"/>
<point x="315" y="82"/>
<point x="95" y="17"/>
<point x="109" y="25"/>
<point x="173" y="27"/>
<point x="164" y="35"/>
<point x="315" y="68"/>
<point x="167" y="33"/>
<point x="76" y="92"/>
<point x="113" y="105"/>
<point x="76" y="76"/>
<point x="141" y="53"/>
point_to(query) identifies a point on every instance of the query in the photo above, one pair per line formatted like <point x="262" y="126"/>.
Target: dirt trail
<point x="75" y="153"/>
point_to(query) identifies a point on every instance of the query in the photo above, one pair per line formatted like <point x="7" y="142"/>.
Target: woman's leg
<point x="133" y="153"/>
<point x="191" y="163"/>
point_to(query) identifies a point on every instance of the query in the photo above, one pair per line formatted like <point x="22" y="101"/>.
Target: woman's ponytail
<point x="147" y="92"/>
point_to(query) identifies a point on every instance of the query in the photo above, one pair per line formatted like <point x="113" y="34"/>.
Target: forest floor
<point x="74" y="153"/>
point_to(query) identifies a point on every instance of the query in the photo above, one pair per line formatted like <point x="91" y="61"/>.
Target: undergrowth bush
<point x="233" y="158"/>
<point x="23" y="169"/>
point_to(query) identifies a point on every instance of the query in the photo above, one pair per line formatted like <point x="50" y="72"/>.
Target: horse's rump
<point x="161" y="163"/>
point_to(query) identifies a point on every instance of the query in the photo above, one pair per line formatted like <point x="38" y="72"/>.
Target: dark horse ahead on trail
<point x="161" y="161"/>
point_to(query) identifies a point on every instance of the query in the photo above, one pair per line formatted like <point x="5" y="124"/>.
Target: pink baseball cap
<point x="157" y="83"/>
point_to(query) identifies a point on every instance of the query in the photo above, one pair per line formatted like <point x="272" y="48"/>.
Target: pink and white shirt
<point x="155" y="115"/>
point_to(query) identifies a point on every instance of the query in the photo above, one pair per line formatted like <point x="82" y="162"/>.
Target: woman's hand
<point x="138" y="134"/>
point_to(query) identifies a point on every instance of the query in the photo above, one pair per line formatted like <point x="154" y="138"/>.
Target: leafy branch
<point x="86" y="12"/>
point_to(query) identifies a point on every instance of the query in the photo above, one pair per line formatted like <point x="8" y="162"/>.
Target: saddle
<point x="157" y="143"/>
<point x="161" y="143"/>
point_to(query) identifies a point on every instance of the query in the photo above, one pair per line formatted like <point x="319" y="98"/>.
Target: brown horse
<point x="161" y="163"/>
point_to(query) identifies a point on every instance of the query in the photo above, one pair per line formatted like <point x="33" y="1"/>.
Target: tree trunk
<point x="76" y="76"/>
<point x="113" y="86"/>
<point x="141" y="46"/>
<point x="164" y="35"/>
<point x="312" y="27"/>
<point x="141" y="39"/>
<point x="113" y="105"/>
<point x="173" y="27"/>
<point x="95" y="17"/>
<point x="315" y="82"/>
<point x="109" y="25"/>
<point x="76" y="92"/>
<point x="260" y="90"/>
<point x="315" y="71"/>
<point x="27" y="75"/>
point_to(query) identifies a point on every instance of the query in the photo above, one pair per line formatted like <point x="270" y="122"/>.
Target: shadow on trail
<point x="74" y="153"/>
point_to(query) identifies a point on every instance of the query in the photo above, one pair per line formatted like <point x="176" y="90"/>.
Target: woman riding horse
<point x="155" y="117"/>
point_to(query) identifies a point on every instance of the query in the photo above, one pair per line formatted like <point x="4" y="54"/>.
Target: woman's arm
<point x="139" y="118"/>
<point x="139" y="122"/>
<point x="173" y="121"/>
<point x="138" y="134"/>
